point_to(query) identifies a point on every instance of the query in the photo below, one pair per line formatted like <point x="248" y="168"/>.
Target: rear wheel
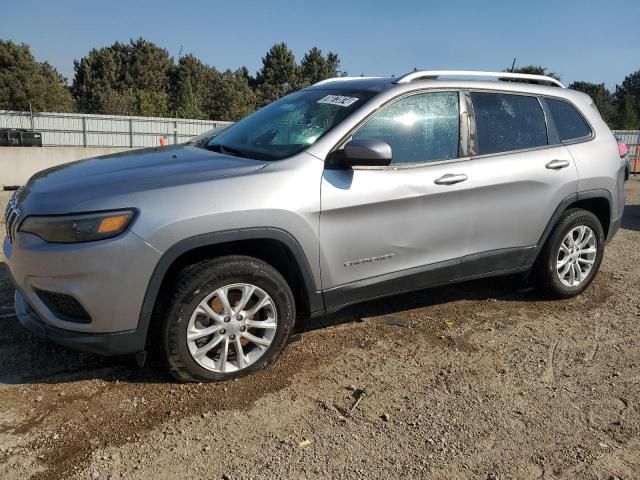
<point x="571" y="256"/>
<point x="228" y="317"/>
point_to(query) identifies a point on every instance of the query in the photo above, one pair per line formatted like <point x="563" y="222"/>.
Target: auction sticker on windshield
<point x="339" y="100"/>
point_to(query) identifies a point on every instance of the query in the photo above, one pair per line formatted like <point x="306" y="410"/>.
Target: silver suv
<point x="349" y="190"/>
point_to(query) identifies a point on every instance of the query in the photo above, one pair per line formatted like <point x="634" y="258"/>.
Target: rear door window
<point x="506" y="122"/>
<point x="569" y="122"/>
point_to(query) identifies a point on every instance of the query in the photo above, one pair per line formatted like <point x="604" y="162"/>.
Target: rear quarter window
<point x="507" y="122"/>
<point x="569" y="123"/>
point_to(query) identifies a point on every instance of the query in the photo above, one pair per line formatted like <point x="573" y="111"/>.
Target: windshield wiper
<point x="217" y="147"/>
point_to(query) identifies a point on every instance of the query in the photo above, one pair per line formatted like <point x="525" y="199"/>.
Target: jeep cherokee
<point x="345" y="191"/>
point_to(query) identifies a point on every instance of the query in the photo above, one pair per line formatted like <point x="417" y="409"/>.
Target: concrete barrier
<point x="18" y="164"/>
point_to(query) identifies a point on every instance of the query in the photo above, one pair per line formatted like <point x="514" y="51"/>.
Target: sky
<point x="579" y="40"/>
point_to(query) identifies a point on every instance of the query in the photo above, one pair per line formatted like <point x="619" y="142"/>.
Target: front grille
<point x="11" y="215"/>
<point x="64" y="306"/>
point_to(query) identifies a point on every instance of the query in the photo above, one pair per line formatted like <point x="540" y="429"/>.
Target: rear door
<point x="521" y="173"/>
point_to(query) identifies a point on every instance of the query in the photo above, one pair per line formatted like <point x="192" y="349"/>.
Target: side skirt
<point x="487" y="264"/>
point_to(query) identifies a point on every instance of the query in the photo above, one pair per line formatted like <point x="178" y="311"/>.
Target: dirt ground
<point x="479" y="380"/>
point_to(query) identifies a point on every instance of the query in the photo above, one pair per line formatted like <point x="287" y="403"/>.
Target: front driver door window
<point x="420" y="128"/>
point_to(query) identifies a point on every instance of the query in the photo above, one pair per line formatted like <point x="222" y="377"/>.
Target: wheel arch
<point x="599" y="205"/>
<point x="597" y="202"/>
<point x="274" y="246"/>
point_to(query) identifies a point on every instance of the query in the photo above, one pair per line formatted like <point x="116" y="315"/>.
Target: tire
<point x="207" y="284"/>
<point x="547" y="273"/>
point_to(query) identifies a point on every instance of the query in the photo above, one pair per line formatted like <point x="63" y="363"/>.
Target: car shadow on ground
<point x="631" y="218"/>
<point x="506" y="288"/>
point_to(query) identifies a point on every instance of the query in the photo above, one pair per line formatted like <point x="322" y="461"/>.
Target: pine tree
<point x="630" y="118"/>
<point x="315" y="67"/>
<point x="232" y="98"/>
<point x="187" y="103"/>
<point x="26" y="83"/>
<point x="279" y="76"/>
<point x="191" y="84"/>
<point x="628" y="101"/>
<point x="106" y="75"/>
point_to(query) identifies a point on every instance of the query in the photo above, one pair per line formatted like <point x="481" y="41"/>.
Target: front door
<point x="380" y="228"/>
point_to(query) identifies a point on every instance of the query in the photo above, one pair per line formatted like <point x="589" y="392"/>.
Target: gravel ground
<point x="478" y="380"/>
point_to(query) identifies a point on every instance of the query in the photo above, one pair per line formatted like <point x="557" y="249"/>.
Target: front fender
<point x="186" y="245"/>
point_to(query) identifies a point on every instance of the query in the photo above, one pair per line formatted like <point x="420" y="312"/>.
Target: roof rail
<point x="334" y="79"/>
<point x="433" y="74"/>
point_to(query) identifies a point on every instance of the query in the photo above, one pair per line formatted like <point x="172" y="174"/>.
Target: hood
<point x="60" y="189"/>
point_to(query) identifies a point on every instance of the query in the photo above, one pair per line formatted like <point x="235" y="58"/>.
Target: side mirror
<point x="368" y="152"/>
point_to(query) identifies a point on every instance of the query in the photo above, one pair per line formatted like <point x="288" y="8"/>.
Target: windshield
<point x="289" y="125"/>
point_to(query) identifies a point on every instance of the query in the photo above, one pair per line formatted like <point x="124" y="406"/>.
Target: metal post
<point x="130" y="133"/>
<point x="84" y="131"/>
<point x="175" y="132"/>
<point x="31" y="115"/>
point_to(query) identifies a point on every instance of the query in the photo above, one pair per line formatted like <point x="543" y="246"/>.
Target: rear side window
<point x="420" y="128"/>
<point x="569" y="122"/>
<point x="507" y="122"/>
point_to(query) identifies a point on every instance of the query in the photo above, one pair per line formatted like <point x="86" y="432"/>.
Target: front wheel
<point x="571" y="256"/>
<point x="228" y="317"/>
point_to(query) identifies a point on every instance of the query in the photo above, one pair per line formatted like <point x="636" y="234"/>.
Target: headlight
<point x="85" y="227"/>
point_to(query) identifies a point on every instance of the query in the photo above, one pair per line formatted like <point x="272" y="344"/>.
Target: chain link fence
<point x="87" y="130"/>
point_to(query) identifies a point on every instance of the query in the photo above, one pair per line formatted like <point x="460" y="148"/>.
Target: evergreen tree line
<point x="140" y="78"/>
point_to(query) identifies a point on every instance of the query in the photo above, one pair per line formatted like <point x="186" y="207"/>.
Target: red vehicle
<point x="623" y="150"/>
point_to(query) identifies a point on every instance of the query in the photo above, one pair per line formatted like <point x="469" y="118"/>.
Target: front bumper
<point x="117" y="343"/>
<point x="108" y="278"/>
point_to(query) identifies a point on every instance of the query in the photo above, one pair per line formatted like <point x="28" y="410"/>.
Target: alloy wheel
<point x="231" y="328"/>
<point x="576" y="256"/>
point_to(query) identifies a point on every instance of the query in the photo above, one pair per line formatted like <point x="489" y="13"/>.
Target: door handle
<point x="450" y="179"/>
<point x="557" y="164"/>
